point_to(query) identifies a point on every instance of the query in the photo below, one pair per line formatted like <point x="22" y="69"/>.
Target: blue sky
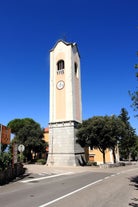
<point x="107" y="36"/>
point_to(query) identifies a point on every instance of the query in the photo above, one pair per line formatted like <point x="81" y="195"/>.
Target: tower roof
<point x="67" y="44"/>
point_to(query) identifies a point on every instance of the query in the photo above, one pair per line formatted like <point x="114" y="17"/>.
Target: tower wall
<point x="65" y="106"/>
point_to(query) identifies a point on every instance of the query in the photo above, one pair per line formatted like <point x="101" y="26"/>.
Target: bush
<point x="11" y="173"/>
<point x="41" y="161"/>
<point x="5" y="161"/>
<point x="89" y="163"/>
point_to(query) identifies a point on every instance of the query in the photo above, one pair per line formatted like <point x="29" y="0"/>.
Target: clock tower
<point x="65" y="105"/>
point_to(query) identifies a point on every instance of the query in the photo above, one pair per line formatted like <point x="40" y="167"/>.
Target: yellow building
<point x="46" y="137"/>
<point x="96" y="156"/>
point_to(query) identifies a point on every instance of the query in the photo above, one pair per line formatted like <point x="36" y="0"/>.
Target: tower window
<point x="60" y="67"/>
<point x="76" y="69"/>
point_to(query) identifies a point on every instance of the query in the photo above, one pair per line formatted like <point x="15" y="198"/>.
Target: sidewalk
<point x="37" y="169"/>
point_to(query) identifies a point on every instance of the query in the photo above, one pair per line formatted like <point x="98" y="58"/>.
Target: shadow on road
<point x="134" y="182"/>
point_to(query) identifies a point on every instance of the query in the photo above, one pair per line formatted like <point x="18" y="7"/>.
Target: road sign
<point x="5" y="134"/>
<point x="21" y="148"/>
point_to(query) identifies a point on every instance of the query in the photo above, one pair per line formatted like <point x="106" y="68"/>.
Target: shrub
<point x="41" y="161"/>
<point x="89" y="163"/>
<point x="5" y="161"/>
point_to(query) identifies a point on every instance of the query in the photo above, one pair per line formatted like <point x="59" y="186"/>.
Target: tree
<point x="134" y="95"/>
<point x="100" y="132"/>
<point x="116" y="131"/>
<point x="128" y="141"/>
<point x="29" y="133"/>
<point x="134" y="151"/>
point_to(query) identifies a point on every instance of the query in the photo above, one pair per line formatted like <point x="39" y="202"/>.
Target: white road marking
<point x="107" y="177"/>
<point x="43" y="173"/>
<point x="118" y="173"/>
<point x="47" y="177"/>
<point x="71" y="193"/>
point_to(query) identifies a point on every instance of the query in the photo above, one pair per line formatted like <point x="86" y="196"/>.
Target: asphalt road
<point x="101" y="188"/>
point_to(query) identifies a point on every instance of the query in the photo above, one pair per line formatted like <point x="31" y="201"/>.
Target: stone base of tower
<point x="63" y="149"/>
<point x="66" y="160"/>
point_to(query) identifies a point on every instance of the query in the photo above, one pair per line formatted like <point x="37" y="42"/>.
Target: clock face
<point x="60" y="84"/>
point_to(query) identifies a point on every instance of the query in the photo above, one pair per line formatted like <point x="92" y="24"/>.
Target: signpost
<point x="14" y="152"/>
<point x="21" y="148"/>
<point x="5" y="135"/>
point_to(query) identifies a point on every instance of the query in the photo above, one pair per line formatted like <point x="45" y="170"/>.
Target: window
<point x="60" y="67"/>
<point x="76" y="69"/>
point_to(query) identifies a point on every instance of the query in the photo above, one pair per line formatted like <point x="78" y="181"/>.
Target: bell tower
<point x="65" y="105"/>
